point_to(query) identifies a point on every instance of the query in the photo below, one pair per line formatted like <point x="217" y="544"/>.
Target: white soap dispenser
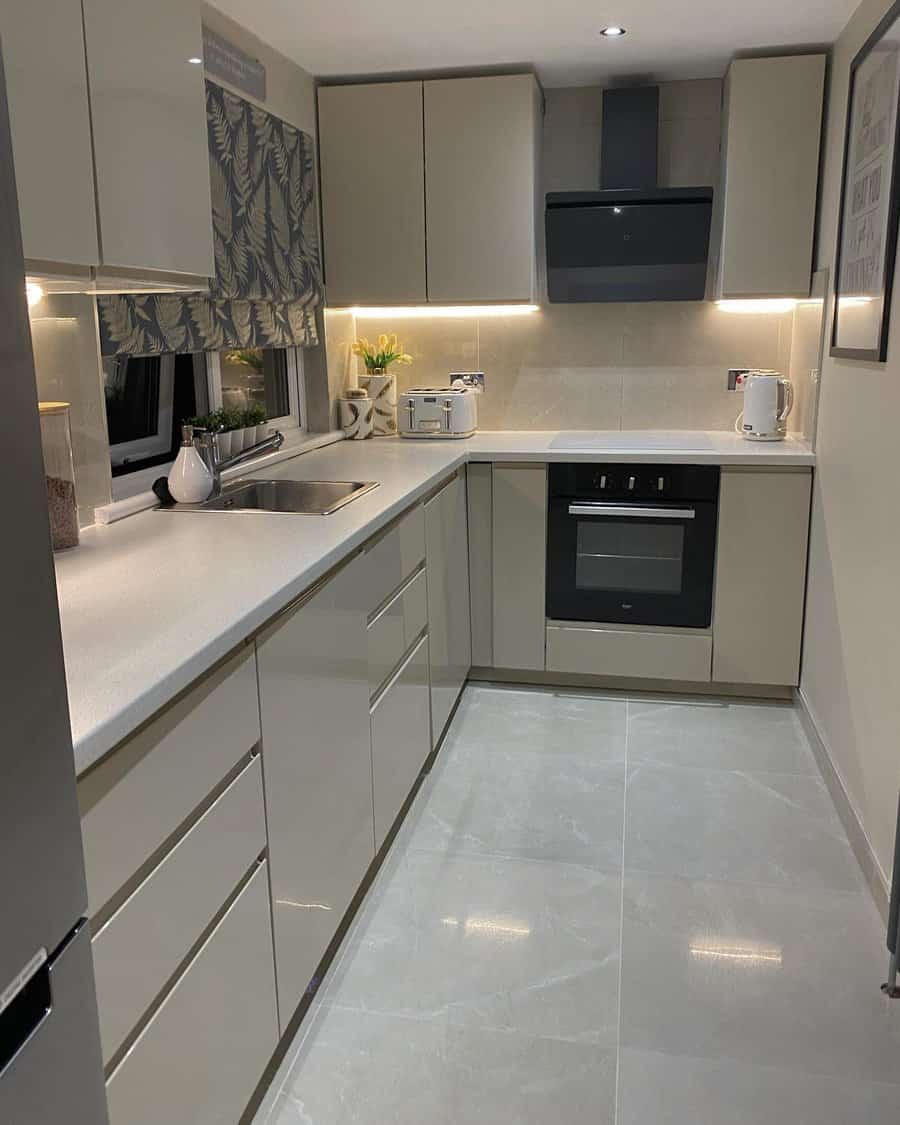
<point x="190" y="480"/>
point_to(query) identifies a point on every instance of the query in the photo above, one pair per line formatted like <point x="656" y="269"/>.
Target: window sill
<point x="294" y="445"/>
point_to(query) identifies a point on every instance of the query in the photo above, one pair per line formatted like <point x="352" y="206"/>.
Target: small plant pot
<point x="224" y="444"/>
<point x="261" y="432"/>
<point x="237" y="439"/>
<point x="356" y="415"/>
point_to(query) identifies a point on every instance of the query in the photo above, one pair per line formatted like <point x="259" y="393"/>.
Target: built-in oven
<point x="632" y="543"/>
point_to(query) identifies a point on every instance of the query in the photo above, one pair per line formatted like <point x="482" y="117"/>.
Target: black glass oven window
<point x="629" y="556"/>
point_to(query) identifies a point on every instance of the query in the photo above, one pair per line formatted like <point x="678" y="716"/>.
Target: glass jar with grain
<point x="59" y="467"/>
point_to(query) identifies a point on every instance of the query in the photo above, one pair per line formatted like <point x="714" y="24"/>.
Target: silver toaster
<point x="438" y="412"/>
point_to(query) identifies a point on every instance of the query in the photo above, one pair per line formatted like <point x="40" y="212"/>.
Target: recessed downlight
<point x="613" y="31"/>
<point x="194" y="60"/>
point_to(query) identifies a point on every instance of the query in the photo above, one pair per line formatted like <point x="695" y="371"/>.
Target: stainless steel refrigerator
<point x="50" y="1061"/>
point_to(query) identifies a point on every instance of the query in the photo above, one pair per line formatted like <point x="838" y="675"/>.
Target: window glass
<point x="256" y="375"/>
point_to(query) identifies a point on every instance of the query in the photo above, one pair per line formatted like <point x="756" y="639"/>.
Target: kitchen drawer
<point x="200" y="1057"/>
<point x="393" y="557"/>
<point x="401" y="738"/>
<point x="137" y="797"/>
<point x="634" y="653"/>
<point x="395" y="628"/>
<point x="143" y="943"/>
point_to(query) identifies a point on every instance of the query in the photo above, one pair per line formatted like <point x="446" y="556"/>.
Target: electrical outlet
<point x="735" y="377"/>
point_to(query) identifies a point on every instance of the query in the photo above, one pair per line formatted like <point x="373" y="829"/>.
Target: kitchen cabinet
<point x="638" y="652"/>
<point x="766" y="204"/>
<point x="449" y="628"/>
<point x="46" y="81"/>
<point x="479" y="496"/>
<point x="760" y="575"/>
<point x="482" y="140"/>
<point x="203" y="1052"/>
<point x="519" y="504"/>
<point x="430" y="190"/>
<point x="148" y="113"/>
<point x="400" y="738"/>
<point x="314" y="707"/>
<point x="373" y="200"/>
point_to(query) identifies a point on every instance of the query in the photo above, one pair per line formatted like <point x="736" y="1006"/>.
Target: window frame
<point x="292" y="425"/>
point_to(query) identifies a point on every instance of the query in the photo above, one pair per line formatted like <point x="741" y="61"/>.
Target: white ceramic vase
<point x="382" y="388"/>
<point x="356" y="417"/>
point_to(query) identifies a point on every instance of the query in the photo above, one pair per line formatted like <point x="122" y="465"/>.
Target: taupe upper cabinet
<point x="373" y="199"/>
<point x="481" y="150"/>
<point x="453" y="159"/>
<point x="43" y="54"/>
<point x="150" y="149"/>
<point x="770" y="168"/>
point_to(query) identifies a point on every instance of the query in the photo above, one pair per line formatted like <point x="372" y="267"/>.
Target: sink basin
<point x="306" y="497"/>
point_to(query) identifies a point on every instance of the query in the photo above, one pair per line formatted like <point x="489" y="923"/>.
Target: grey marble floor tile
<point x="719" y="735"/>
<point x="368" y="1069"/>
<point x="527" y="719"/>
<point x="503" y="944"/>
<point x="660" y="1089"/>
<point x="565" y="807"/>
<point x="759" y="975"/>
<point x="770" y="828"/>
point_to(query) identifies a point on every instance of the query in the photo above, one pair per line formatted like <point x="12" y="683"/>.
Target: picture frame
<point x="870" y="198"/>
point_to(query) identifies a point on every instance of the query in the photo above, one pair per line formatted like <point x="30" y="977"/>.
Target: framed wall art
<point x="867" y="223"/>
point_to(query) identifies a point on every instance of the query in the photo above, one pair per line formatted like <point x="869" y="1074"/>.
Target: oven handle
<point x="629" y="511"/>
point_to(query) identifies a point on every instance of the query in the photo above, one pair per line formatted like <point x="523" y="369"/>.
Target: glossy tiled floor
<point x="604" y="910"/>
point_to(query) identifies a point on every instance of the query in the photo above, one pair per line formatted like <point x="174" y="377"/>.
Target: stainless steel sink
<point x="305" y="497"/>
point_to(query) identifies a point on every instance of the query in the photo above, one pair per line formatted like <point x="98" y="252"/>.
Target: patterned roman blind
<point x="268" y="280"/>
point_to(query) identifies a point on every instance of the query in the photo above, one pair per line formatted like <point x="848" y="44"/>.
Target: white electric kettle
<point x="768" y="399"/>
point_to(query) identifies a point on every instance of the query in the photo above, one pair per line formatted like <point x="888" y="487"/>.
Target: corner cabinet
<point x="148" y="111"/>
<point x="430" y="190"/>
<point x="314" y="710"/>
<point x="766" y="210"/>
<point x="518" y="561"/>
<point x="373" y="202"/>
<point x="760" y="576"/>
<point x="447" y="553"/>
<point x="46" y="83"/>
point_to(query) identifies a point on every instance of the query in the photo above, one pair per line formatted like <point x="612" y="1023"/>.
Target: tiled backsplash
<point x="588" y="366"/>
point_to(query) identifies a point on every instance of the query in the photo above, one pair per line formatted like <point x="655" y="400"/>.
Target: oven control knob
<point x="631" y="484"/>
<point x="603" y="480"/>
<point x="661" y="484"/>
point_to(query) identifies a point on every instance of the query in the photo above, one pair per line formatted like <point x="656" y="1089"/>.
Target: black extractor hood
<point x="632" y="240"/>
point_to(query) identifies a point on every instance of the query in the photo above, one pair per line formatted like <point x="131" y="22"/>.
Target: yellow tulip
<point x="382" y="342"/>
<point x="394" y="344"/>
<point x="405" y="359"/>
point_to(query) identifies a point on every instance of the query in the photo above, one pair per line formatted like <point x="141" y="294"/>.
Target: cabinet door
<point x="373" y="196"/>
<point x="771" y="169"/>
<point x="317" y="765"/>
<point x="400" y="738"/>
<point x="519" y="565"/>
<point x="150" y="150"/>
<point x="480" y="187"/>
<point x="760" y="576"/>
<point x="43" y="53"/>
<point x="449" y="626"/>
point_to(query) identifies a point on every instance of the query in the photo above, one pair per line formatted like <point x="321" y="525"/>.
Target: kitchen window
<point x="149" y="397"/>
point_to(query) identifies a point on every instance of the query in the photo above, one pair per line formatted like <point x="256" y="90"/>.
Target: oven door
<point x="634" y="563"/>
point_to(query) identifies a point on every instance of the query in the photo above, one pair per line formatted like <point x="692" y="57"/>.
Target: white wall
<point x="850" y="666"/>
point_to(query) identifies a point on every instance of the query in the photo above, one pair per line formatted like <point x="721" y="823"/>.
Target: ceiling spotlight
<point x="194" y="61"/>
<point x="613" y="31"/>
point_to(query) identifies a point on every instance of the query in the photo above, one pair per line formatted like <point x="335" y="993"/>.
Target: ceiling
<point x="665" y="40"/>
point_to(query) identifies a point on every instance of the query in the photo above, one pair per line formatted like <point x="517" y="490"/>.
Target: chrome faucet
<point x="208" y="448"/>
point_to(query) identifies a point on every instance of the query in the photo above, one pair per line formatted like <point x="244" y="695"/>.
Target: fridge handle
<point x="24" y="1005"/>
<point x="893" y="935"/>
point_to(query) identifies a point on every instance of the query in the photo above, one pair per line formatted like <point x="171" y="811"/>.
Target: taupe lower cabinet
<point x="760" y="576"/>
<point x="314" y="707"/>
<point x="519" y="551"/>
<point x="449" y="628"/>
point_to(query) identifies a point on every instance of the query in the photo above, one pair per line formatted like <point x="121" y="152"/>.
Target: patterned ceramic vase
<point x="356" y="417"/>
<point x="382" y="388"/>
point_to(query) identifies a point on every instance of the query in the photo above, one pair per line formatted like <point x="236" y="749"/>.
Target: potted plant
<point x="379" y="380"/>
<point x="256" y="419"/>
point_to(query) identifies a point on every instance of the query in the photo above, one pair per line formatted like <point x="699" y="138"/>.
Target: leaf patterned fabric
<point x="268" y="278"/>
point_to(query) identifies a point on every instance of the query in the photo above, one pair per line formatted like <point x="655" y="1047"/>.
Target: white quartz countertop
<point x="150" y="603"/>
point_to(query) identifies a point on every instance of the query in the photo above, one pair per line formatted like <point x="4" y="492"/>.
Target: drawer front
<point x="201" y="1056"/>
<point x="144" y="942"/>
<point x="392" y="632"/>
<point x="629" y="652"/>
<point x="137" y="797"/>
<point x="393" y="557"/>
<point x="401" y="738"/>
